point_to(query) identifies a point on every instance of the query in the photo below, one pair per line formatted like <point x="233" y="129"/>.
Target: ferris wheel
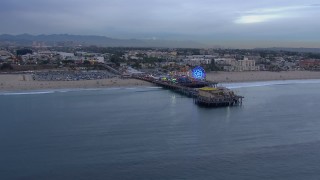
<point x="198" y="73"/>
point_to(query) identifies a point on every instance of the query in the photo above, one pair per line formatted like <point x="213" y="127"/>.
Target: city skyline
<point x="230" y="23"/>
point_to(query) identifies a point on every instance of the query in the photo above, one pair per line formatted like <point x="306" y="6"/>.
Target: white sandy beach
<point x="16" y="82"/>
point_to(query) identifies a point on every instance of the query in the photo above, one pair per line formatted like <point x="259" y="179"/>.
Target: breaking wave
<point x="15" y="93"/>
<point x="26" y="93"/>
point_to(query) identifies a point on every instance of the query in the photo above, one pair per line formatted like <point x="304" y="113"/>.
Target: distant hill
<point x="87" y="40"/>
<point x="302" y="50"/>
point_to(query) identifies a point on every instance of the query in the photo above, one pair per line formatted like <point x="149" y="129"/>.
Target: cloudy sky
<point x="233" y="23"/>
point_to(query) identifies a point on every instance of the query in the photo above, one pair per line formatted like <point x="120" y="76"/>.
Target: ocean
<point x="152" y="133"/>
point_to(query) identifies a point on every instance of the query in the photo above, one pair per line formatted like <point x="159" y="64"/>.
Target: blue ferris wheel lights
<point x="198" y="73"/>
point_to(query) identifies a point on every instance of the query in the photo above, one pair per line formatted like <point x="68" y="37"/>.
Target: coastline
<point x="24" y="82"/>
<point x="256" y="76"/>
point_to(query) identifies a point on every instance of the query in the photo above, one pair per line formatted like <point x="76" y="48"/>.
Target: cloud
<point x="204" y="20"/>
<point x="248" y="19"/>
<point x="269" y="14"/>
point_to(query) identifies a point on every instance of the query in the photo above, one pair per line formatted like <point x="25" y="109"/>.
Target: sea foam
<point x="26" y="93"/>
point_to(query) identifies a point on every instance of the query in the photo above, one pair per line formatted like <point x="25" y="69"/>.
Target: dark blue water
<point x="151" y="133"/>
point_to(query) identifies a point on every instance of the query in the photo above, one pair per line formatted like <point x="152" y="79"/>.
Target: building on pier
<point x="217" y="97"/>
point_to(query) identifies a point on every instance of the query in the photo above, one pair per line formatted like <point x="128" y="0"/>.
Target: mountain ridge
<point x="87" y="40"/>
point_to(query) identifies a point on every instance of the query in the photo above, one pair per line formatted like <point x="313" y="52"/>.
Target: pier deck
<point x="193" y="93"/>
<point x="187" y="91"/>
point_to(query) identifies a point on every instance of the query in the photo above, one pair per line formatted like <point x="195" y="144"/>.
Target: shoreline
<point x="258" y="76"/>
<point x="24" y="82"/>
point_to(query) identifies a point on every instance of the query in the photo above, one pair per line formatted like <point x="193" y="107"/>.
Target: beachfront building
<point x="6" y="56"/>
<point x="66" y="56"/>
<point x="46" y="53"/>
<point x="231" y="64"/>
<point x="246" y="65"/>
<point x="29" y="58"/>
<point x="164" y="64"/>
<point x="197" y="60"/>
<point x="224" y="61"/>
<point x="99" y="59"/>
<point x="156" y="54"/>
<point x="310" y="64"/>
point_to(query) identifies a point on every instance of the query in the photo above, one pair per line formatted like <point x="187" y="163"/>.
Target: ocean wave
<point x="26" y="93"/>
<point x="269" y="83"/>
<point x="37" y="92"/>
<point x="51" y="91"/>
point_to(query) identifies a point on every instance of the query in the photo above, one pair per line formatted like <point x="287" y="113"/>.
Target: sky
<point x="228" y="23"/>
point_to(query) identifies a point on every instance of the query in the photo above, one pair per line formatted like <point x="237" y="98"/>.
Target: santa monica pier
<point x="194" y="85"/>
